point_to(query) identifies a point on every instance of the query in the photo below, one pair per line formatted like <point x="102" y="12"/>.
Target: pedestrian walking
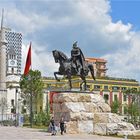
<point x="62" y="126"/>
<point x="52" y="125"/>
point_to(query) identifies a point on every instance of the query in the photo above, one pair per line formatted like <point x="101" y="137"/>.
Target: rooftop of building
<point x="99" y="78"/>
<point x="100" y="82"/>
<point x="92" y="59"/>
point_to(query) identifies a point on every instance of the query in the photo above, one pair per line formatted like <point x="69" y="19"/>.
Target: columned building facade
<point x="13" y="69"/>
<point x="110" y="88"/>
<point x="10" y="69"/>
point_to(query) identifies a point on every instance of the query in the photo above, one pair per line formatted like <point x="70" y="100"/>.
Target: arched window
<point x="12" y="70"/>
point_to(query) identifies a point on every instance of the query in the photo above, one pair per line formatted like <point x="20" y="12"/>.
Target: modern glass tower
<point x="13" y="52"/>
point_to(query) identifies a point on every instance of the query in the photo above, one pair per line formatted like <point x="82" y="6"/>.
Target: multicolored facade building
<point x="110" y="88"/>
<point x="99" y="66"/>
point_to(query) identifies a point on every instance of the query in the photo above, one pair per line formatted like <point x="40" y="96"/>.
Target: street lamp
<point x="16" y="117"/>
<point x="31" y="102"/>
<point x="31" y="109"/>
<point x="17" y="106"/>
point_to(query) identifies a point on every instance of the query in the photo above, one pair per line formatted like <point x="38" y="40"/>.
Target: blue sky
<point x="103" y="28"/>
<point x="127" y="11"/>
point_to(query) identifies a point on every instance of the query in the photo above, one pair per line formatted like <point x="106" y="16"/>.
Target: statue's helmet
<point x="75" y="45"/>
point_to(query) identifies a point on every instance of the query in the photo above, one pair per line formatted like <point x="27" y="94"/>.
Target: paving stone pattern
<point x="18" y="133"/>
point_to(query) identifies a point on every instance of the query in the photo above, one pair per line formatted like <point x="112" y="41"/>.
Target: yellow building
<point x="110" y="88"/>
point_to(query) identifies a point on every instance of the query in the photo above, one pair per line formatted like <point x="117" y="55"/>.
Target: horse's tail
<point x="91" y="68"/>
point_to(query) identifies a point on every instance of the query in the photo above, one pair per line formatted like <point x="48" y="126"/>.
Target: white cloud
<point x="26" y="23"/>
<point x="95" y="16"/>
<point x="116" y="42"/>
<point x="119" y="31"/>
<point x="126" y="63"/>
<point x="41" y="60"/>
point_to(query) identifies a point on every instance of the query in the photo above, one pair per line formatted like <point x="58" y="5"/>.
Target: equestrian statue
<point x="74" y="66"/>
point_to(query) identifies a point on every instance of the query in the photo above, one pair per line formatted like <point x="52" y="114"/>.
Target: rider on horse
<point x="77" y="58"/>
<point x="75" y="66"/>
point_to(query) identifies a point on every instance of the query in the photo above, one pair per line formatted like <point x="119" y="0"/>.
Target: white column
<point x="3" y="43"/>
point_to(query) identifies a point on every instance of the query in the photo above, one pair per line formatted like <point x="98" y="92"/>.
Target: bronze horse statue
<point x="68" y="68"/>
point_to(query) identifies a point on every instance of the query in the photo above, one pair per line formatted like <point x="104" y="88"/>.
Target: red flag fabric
<point x="28" y="61"/>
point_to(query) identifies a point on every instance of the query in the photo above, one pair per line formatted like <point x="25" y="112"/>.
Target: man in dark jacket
<point x="62" y="126"/>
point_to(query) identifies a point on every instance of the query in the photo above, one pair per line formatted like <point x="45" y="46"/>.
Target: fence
<point x="11" y="119"/>
<point x="4" y="117"/>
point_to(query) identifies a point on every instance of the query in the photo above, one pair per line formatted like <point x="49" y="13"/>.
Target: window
<point x="12" y="110"/>
<point x="123" y="88"/>
<point x="106" y="97"/>
<point x="115" y="88"/>
<point x="96" y="87"/>
<point x="12" y="102"/>
<point x="12" y="70"/>
<point x="135" y="89"/>
<point x="40" y="108"/>
<point x="23" y="109"/>
<point x="24" y="102"/>
<point x="106" y="87"/>
<point x="88" y="86"/>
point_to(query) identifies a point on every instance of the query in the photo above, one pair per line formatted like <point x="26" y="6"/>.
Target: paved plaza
<point x="17" y="133"/>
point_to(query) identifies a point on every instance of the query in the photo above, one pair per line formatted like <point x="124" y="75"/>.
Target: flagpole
<point x="31" y="106"/>
<point x="31" y="96"/>
<point x="28" y="67"/>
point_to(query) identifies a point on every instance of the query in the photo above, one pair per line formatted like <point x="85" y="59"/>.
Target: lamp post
<point x="31" y="109"/>
<point x="16" y="96"/>
<point x="31" y="101"/>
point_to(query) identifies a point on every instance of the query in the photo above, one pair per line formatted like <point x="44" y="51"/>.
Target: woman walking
<point x="52" y="124"/>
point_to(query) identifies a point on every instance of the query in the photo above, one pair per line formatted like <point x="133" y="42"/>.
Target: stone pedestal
<point x="87" y="113"/>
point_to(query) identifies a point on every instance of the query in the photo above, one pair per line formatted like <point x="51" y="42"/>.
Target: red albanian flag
<point x="28" y="62"/>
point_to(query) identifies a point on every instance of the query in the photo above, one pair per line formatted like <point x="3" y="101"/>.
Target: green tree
<point x="115" y="106"/>
<point x="134" y="107"/>
<point x="42" y="118"/>
<point x="32" y="90"/>
<point x="133" y="112"/>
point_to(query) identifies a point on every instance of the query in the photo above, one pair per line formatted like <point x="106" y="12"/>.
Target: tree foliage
<point x="134" y="107"/>
<point x="115" y="106"/>
<point x="32" y="85"/>
<point x="42" y="118"/>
